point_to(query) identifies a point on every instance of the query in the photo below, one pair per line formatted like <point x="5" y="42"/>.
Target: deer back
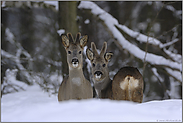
<point x="128" y="85"/>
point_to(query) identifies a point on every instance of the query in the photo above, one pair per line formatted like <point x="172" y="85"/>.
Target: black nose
<point x="98" y="73"/>
<point x="75" y="61"/>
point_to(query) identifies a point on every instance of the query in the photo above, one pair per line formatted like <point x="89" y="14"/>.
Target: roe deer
<point x="127" y="83"/>
<point x="75" y="85"/>
<point x="100" y="73"/>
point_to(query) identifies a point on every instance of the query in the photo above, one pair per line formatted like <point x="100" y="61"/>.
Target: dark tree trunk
<point x="67" y="17"/>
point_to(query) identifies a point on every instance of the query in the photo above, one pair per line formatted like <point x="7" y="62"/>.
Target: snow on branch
<point x="140" y="37"/>
<point x="111" y="23"/>
<point x="41" y="4"/>
<point x="143" y="38"/>
<point x="10" y="84"/>
<point x="54" y="3"/>
<point x="11" y="38"/>
<point x="154" y="70"/>
<point x="177" y="13"/>
<point x="175" y="74"/>
<point x="16" y="59"/>
<point x="175" y="57"/>
<point x="170" y="43"/>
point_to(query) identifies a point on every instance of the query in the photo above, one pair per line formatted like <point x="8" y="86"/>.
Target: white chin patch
<point x="98" y="77"/>
<point x="75" y="65"/>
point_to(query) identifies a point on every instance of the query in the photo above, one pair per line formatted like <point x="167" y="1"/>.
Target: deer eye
<point x="79" y="52"/>
<point x="69" y="52"/>
<point x="93" y="65"/>
<point x="104" y="65"/>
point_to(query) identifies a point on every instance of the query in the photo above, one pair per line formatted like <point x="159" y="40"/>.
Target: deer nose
<point x="98" y="73"/>
<point x="75" y="61"/>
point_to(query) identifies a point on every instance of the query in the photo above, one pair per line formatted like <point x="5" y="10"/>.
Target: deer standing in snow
<point x="127" y="83"/>
<point x="75" y="85"/>
<point x="100" y="72"/>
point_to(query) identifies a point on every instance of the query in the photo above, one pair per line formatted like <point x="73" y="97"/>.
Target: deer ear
<point x="108" y="56"/>
<point x="89" y="54"/>
<point x="83" y="41"/>
<point x="65" y="41"/>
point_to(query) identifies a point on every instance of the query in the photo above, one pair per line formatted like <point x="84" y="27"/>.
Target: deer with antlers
<point x="75" y="85"/>
<point x="100" y="72"/>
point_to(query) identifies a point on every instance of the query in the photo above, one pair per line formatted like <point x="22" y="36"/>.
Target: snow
<point x="18" y="62"/>
<point x="157" y="75"/>
<point x="143" y="38"/>
<point x="60" y="31"/>
<point x="10" y="82"/>
<point x="175" y="74"/>
<point x="10" y="37"/>
<point x="140" y="37"/>
<point x="174" y="86"/>
<point x="35" y="105"/>
<point x="177" y="13"/>
<point x="87" y="21"/>
<point x="86" y="59"/>
<point x="3" y="4"/>
<point x="170" y="43"/>
<point x="54" y="3"/>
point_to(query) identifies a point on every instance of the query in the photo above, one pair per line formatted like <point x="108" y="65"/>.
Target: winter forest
<point x="145" y="35"/>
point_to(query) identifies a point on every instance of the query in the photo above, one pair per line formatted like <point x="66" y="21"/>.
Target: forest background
<point x="146" y="35"/>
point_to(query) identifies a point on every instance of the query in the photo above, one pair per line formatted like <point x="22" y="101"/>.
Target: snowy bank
<point x="35" y="105"/>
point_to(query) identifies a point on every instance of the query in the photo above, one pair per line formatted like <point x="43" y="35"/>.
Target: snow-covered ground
<point x="36" y="105"/>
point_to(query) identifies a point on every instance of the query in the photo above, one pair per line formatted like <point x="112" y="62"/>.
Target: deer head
<point x="74" y="49"/>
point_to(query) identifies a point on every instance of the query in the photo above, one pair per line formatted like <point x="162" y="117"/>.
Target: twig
<point x="145" y="62"/>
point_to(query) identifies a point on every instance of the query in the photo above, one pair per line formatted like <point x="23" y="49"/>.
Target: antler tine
<point x="94" y="49"/>
<point x="78" y="35"/>
<point x="69" y="35"/>
<point x="104" y="48"/>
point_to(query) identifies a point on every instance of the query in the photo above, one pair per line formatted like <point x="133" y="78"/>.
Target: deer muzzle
<point x="98" y="74"/>
<point x="75" y="62"/>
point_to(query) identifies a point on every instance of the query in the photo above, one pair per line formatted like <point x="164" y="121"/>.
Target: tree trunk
<point x="67" y="17"/>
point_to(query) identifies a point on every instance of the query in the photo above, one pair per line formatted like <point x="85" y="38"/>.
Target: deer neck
<point x="102" y="87"/>
<point x="76" y="76"/>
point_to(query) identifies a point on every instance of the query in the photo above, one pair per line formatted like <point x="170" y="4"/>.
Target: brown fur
<point x="103" y="83"/>
<point x="75" y="85"/>
<point x="127" y="83"/>
<point x="135" y="94"/>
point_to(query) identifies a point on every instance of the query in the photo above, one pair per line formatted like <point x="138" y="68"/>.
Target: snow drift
<point x="34" y="105"/>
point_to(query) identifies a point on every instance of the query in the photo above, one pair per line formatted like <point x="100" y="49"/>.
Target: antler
<point x="69" y="35"/>
<point x="78" y="35"/>
<point x="104" y="48"/>
<point x="94" y="49"/>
